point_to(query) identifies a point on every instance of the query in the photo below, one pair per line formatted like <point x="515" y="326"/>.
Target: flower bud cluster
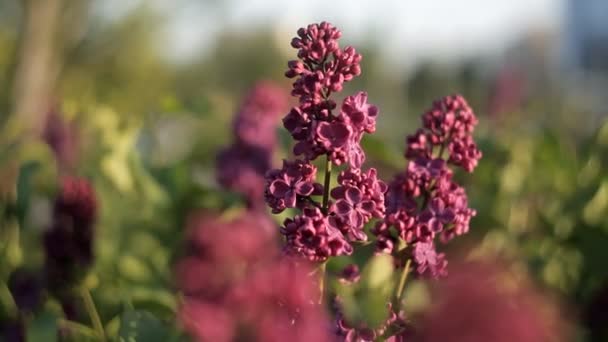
<point x="424" y="201"/>
<point x="68" y="243"/>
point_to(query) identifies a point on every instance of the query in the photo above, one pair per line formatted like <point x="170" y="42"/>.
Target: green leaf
<point x="367" y="302"/>
<point x="378" y="272"/>
<point x="43" y="328"/>
<point x="595" y="209"/>
<point x="24" y="188"/>
<point x="142" y="326"/>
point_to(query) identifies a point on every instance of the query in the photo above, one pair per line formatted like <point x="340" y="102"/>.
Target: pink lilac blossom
<point x="241" y="167"/>
<point x="424" y="202"/>
<point x="255" y="122"/>
<point x="359" y="197"/>
<point x="448" y="124"/>
<point x="312" y="236"/>
<point x="323" y="230"/>
<point x="428" y="260"/>
<point x="62" y="138"/>
<point x="68" y="243"/>
<point x="291" y="186"/>
<point x="236" y="287"/>
<point x="322" y="69"/>
<point x="475" y="304"/>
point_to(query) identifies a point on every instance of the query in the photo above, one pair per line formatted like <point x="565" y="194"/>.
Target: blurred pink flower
<point x="480" y="302"/>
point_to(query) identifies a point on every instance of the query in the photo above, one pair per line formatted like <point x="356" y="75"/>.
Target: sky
<point x="406" y="30"/>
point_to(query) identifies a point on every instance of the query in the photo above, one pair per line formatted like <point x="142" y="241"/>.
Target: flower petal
<point x="353" y="195"/>
<point x="279" y="188"/>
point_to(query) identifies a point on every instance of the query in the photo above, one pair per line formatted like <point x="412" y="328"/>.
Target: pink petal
<point x="304" y="188"/>
<point x="343" y="208"/>
<point x="353" y="195"/>
<point x="279" y="188"/>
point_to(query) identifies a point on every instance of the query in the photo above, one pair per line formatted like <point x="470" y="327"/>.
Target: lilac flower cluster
<point x="241" y="166"/>
<point x="325" y="229"/>
<point x="322" y="70"/>
<point x="235" y="288"/>
<point x="425" y="202"/>
<point x="448" y="124"/>
<point x="68" y="243"/>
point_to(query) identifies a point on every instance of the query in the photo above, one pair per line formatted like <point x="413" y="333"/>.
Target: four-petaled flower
<point x="354" y="209"/>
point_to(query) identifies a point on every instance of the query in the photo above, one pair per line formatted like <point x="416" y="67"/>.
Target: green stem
<point x="7" y="300"/>
<point x="77" y="327"/>
<point x="92" y="311"/>
<point x="404" y="274"/>
<point x="322" y="269"/>
<point x="326" y="184"/>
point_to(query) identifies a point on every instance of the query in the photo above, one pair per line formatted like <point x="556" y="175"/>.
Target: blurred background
<point x="138" y="96"/>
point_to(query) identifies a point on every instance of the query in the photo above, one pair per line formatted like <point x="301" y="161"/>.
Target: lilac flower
<point x="436" y="215"/>
<point x="311" y="236"/>
<point x="464" y="153"/>
<point x="359" y="197"/>
<point x="360" y="114"/>
<point x="62" y="138"/>
<point x="69" y="241"/>
<point x="371" y="187"/>
<point x="295" y="179"/>
<point x="236" y="286"/>
<point x="418" y="145"/>
<point x="333" y="136"/>
<point x="241" y="167"/>
<point x="353" y="209"/>
<point x="424" y="202"/>
<point x="474" y="305"/>
<point x="316" y="42"/>
<point x="448" y="126"/>
<point x="255" y="122"/>
<point x="428" y="261"/>
<point x="323" y="69"/>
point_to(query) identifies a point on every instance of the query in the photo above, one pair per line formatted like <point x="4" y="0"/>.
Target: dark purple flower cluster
<point x="68" y="243"/>
<point x="241" y="166"/>
<point x="325" y="229"/>
<point x="425" y="202"/>
<point x="235" y="287"/>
